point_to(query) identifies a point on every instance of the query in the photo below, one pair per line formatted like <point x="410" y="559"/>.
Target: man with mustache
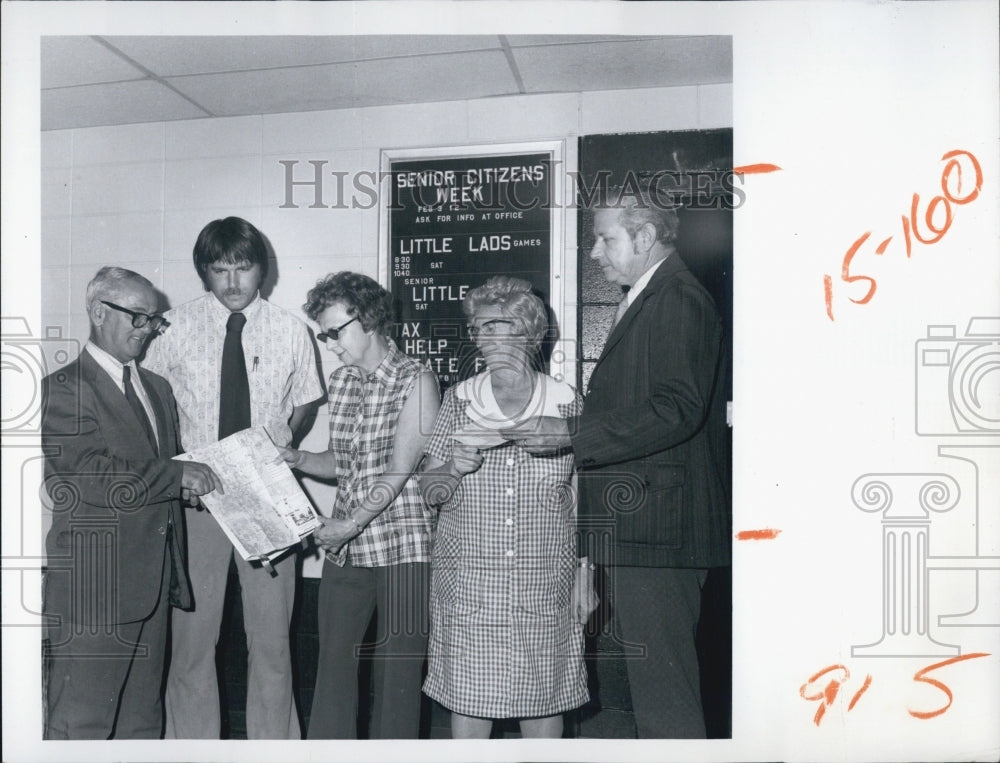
<point x="234" y="361"/>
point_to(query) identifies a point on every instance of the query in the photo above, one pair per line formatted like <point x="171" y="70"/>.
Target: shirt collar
<point x="640" y="284"/>
<point x="388" y="370"/>
<point x="111" y="364"/>
<point x="222" y="312"/>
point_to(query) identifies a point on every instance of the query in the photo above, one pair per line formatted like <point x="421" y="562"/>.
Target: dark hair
<point x="638" y="207"/>
<point x="230" y="241"/>
<point x="515" y="298"/>
<point x="360" y="296"/>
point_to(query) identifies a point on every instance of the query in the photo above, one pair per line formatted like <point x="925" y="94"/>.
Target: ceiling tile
<point x="525" y="40"/>
<point x="68" y="61"/>
<point x="451" y="76"/>
<point x="653" y="62"/>
<point x="114" y="103"/>
<point x="271" y="91"/>
<point x="238" y="76"/>
<point x="174" y="56"/>
<point x="381" y="46"/>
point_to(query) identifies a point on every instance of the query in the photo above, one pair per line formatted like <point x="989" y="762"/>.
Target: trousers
<point x="192" y="694"/>
<point x="656" y="610"/>
<point x="106" y="682"/>
<point x="348" y="597"/>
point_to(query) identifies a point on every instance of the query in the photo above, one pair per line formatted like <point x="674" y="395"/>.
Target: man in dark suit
<point x="651" y="447"/>
<point x="115" y="552"/>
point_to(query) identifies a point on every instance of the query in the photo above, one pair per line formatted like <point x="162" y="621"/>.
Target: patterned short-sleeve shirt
<point x="364" y="412"/>
<point x="280" y="359"/>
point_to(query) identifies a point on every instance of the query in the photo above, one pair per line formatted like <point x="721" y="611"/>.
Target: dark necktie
<point x="137" y="409"/>
<point x="234" y="390"/>
<point x="622" y="307"/>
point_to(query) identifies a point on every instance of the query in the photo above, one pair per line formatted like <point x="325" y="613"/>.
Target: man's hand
<point x="584" y="599"/>
<point x="290" y="456"/>
<point x="465" y="459"/>
<point x="334" y="533"/>
<point x="199" y="479"/>
<point x="540" y="435"/>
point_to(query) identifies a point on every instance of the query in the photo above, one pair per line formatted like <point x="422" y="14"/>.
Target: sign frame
<point x="562" y="364"/>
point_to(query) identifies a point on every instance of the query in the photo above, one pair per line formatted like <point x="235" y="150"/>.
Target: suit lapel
<point x="108" y="392"/>
<point x="669" y="267"/>
<point x="164" y="441"/>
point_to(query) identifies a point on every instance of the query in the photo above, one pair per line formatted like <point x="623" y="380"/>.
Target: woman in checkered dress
<point x="506" y="639"/>
<point x="378" y="539"/>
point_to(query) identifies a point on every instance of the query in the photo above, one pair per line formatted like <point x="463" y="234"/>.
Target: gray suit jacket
<point x="117" y="523"/>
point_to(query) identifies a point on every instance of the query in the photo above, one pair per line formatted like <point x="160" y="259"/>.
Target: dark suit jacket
<point x="115" y="501"/>
<point x="652" y="441"/>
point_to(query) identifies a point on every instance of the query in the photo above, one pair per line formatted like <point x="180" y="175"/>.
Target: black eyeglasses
<point x="334" y="334"/>
<point x="139" y="320"/>
<point x="497" y="327"/>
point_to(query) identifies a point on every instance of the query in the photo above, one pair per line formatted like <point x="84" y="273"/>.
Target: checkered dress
<point x="503" y="641"/>
<point x="364" y="410"/>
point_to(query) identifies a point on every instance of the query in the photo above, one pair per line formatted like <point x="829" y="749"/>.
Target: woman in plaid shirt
<point x="506" y="634"/>
<point x="378" y="540"/>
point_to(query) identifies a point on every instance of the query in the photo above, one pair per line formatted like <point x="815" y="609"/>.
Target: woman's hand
<point x="335" y="533"/>
<point x="540" y="435"/>
<point x="465" y="459"/>
<point x="584" y="599"/>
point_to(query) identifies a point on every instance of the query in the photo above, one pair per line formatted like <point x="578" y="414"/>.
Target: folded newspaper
<point x="263" y="509"/>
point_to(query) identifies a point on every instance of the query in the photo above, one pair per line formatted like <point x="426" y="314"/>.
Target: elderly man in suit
<point x="116" y="548"/>
<point x="651" y="448"/>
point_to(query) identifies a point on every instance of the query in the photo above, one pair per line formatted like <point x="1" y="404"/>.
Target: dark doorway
<point x="693" y="170"/>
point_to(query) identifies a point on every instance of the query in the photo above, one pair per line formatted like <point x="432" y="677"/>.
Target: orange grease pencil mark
<point x="921" y="676"/>
<point x="765" y="534"/>
<point x="845" y="270"/>
<point x="936" y="220"/>
<point x="828" y="693"/>
<point x="859" y="692"/>
<point x="828" y="295"/>
<point x="755" y="169"/>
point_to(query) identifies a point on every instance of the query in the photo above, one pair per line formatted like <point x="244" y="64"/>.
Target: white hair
<point x="110" y="282"/>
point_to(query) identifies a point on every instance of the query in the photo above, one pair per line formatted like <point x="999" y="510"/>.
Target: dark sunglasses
<point x="139" y="320"/>
<point x="334" y="334"/>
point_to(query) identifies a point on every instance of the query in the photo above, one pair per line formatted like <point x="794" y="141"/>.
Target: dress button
<point x="510" y="552"/>
<point x="161" y="530"/>
<point x="508" y="521"/>
<point x="510" y="462"/>
<point x="509" y="491"/>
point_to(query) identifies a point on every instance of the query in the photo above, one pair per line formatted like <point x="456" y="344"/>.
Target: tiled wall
<point x="137" y="195"/>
